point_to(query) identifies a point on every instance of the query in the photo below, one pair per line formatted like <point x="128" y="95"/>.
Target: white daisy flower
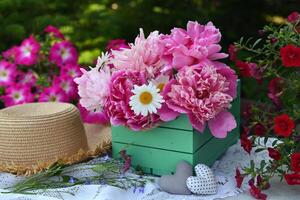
<point x="145" y="99"/>
<point x="160" y="81"/>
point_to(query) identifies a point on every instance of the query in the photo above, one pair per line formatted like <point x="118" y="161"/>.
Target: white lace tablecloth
<point x="224" y="169"/>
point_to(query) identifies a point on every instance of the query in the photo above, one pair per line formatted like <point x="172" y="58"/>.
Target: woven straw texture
<point x="38" y="134"/>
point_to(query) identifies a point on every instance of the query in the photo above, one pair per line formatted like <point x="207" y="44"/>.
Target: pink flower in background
<point x="10" y="54"/>
<point x="27" y="52"/>
<point x="117" y="44"/>
<point x="250" y="70"/>
<point x="294" y="16"/>
<point x="191" y="46"/>
<point x="117" y="106"/>
<point x="53" y="93"/>
<point x="52" y="30"/>
<point x="62" y="53"/>
<point x="17" y="94"/>
<point x="93" y="117"/>
<point x="143" y="56"/>
<point x="70" y="70"/>
<point x="275" y="90"/>
<point x="8" y="73"/>
<point x="204" y="94"/>
<point x="68" y="85"/>
<point x="93" y="88"/>
<point x="27" y="78"/>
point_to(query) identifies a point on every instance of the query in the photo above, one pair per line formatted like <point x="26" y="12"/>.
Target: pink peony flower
<point x="93" y="117"/>
<point x="70" y="70"/>
<point x="10" y="54"/>
<point x="27" y="78"/>
<point x="93" y="88"/>
<point x="117" y="107"/>
<point x="192" y="46"/>
<point x="17" y="94"/>
<point x="27" y="53"/>
<point x="142" y="56"/>
<point x="68" y="85"/>
<point x="62" y="53"/>
<point x="204" y="93"/>
<point x="53" y="31"/>
<point x="117" y="44"/>
<point x="53" y="93"/>
<point x="8" y="73"/>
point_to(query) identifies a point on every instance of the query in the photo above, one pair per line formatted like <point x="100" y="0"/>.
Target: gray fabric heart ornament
<point x="176" y="184"/>
<point x="204" y="182"/>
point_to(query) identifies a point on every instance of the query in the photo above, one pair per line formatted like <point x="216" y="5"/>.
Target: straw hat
<point x="34" y="136"/>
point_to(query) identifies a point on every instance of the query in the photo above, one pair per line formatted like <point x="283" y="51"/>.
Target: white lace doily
<point x="224" y="170"/>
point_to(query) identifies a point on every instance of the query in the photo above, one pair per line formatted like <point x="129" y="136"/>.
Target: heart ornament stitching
<point x="204" y="182"/>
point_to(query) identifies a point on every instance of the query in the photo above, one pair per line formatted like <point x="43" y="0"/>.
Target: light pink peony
<point x="142" y="56"/>
<point x="93" y="88"/>
<point x="53" y="93"/>
<point x="53" y="31"/>
<point x="62" y="53"/>
<point x="68" y="85"/>
<point x="117" y="106"/>
<point x="70" y="70"/>
<point x="27" y="52"/>
<point x="17" y="94"/>
<point x="8" y="73"/>
<point x="203" y="93"/>
<point x="191" y="46"/>
<point x="93" y="117"/>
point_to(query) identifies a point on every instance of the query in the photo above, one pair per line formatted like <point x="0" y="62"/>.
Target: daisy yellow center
<point x="146" y="98"/>
<point x="161" y="86"/>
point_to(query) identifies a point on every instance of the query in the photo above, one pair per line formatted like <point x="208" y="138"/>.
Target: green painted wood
<point x="182" y="122"/>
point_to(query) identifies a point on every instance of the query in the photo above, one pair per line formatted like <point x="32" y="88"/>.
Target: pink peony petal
<point x="195" y="123"/>
<point x="223" y="123"/>
<point x="167" y="114"/>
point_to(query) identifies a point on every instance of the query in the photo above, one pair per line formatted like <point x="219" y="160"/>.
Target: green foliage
<point x="91" y="23"/>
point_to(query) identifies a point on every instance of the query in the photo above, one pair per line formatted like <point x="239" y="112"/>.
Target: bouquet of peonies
<point x="160" y="77"/>
<point x="273" y="59"/>
<point x="42" y="69"/>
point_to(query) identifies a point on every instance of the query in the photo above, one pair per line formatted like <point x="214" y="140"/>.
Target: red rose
<point x="275" y="90"/>
<point x="294" y="16"/>
<point x="245" y="142"/>
<point x="295" y="162"/>
<point x="238" y="178"/>
<point x="290" y="56"/>
<point x="249" y="70"/>
<point x="284" y="125"/>
<point x="256" y="192"/>
<point x="116" y="44"/>
<point x="232" y="50"/>
<point x="274" y="154"/>
<point x="259" y="129"/>
<point x="292" y="179"/>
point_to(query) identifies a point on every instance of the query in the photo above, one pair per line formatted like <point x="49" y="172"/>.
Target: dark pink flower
<point x="294" y="16"/>
<point x="275" y="90"/>
<point x="8" y="73"/>
<point x="238" y="178"/>
<point x="62" y="53"/>
<point x="117" y="106"/>
<point x="191" y="46"/>
<point x="204" y="93"/>
<point x="27" y="78"/>
<point x="68" y="85"/>
<point x="116" y="44"/>
<point x="27" y="52"/>
<point x="232" y="50"/>
<point x="54" y="93"/>
<point x="256" y="192"/>
<point x="17" y="94"/>
<point x="10" y="54"/>
<point x="54" y="32"/>
<point x="249" y="70"/>
<point x="70" y="70"/>
<point x="92" y="117"/>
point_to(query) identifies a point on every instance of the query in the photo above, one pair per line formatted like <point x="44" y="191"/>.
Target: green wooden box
<point x="158" y="150"/>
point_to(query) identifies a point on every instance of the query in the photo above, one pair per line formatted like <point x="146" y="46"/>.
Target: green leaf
<point x="256" y="42"/>
<point x="266" y="140"/>
<point x="274" y="143"/>
<point x="259" y="150"/>
<point x="252" y="165"/>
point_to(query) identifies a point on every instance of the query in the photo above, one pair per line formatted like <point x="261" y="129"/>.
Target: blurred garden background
<point x="89" y="24"/>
